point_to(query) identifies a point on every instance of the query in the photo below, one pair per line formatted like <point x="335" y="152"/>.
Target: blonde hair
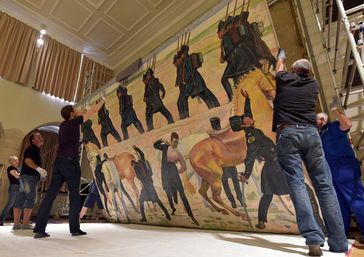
<point x="13" y="158"/>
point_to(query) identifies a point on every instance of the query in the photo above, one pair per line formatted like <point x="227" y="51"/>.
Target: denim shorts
<point x="27" y="195"/>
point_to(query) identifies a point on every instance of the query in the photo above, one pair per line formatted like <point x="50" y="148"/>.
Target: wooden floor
<point x="357" y="250"/>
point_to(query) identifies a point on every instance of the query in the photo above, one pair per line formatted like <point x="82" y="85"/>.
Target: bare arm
<point x="279" y="65"/>
<point x="281" y="56"/>
<point x="31" y="163"/>
<point x="15" y="173"/>
<point x="94" y="109"/>
<point x="345" y="123"/>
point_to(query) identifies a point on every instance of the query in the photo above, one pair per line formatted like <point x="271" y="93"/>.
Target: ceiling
<point x="114" y="33"/>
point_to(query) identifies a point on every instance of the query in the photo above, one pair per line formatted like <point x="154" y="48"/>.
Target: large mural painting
<point x="187" y="141"/>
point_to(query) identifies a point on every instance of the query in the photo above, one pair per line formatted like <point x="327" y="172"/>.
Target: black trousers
<point x="138" y="125"/>
<point x="231" y="172"/>
<point x="144" y="197"/>
<point x="186" y="204"/>
<point x="209" y="98"/>
<point x="113" y="132"/>
<point x="182" y="103"/>
<point x="63" y="170"/>
<point x="225" y="81"/>
<point x="264" y="206"/>
<point x="93" y="139"/>
<point x="99" y="182"/>
<point x="163" y="110"/>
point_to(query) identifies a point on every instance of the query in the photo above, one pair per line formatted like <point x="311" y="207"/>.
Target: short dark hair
<point x="174" y="135"/>
<point x="66" y="112"/>
<point x="33" y="135"/>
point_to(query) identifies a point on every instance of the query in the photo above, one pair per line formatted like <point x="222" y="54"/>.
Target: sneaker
<point x="27" y="227"/>
<point x="79" y="233"/>
<point x="260" y="225"/>
<point x="17" y="227"/>
<point x="314" y="250"/>
<point x="41" y="235"/>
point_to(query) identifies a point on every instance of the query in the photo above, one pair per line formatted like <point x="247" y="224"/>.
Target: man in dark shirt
<point x="31" y="173"/>
<point x="13" y="176"/>
<point x="66" y="168"/>
<point x="298" y="140"/>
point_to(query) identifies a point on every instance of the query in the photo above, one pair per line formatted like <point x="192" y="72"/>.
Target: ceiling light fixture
<point x="40" y="42"/>
<point x="43" y="31"/>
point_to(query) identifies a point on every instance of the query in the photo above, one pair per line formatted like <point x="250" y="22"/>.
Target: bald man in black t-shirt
<point x="66" y="168"/>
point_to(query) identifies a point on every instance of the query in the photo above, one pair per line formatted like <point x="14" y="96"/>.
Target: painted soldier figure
<point x="100" y="180"/>
<point x="182" y="102"/>
<point x="195" y="84"/>
<point x="127" y="112"/>
<point x="88" y="135"/>
<point x="106" y="126"/>
<point x="238" y="58"/>
<point x="261" y="147"/>
<point x="153" y="99"/>
<point x="144" y="173"/>
<point x="250" y="38"/>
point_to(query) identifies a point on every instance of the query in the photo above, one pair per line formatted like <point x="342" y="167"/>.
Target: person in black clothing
<point x="100" y="180"/>
<point x="171" y="181"/>
<point x="88" y="135"/>
<point x="127" y="112"/>
<point x="236" y="56"/>
<point x="144" y="173"/>
<point x="13" y="190"/>
<point x="195" y="84"/>
<point x="262" y="148"/>
<point x="106" y="126"/>
<point x="31" y="173"/>
<point x="182" y="102"/>
<point x="153" y="99"/>
<point x="66" y="168"/>
<point x="298" y="140"/>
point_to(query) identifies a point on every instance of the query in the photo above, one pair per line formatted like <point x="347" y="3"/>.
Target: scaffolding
<point x="343" y="38"/>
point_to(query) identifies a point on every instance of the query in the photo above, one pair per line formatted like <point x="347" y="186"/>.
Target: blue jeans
<point x="299" y="143"/>
<point x="12" y="193"/>
<point x="27" y="193"/>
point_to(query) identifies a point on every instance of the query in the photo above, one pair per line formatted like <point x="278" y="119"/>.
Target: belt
<point x="68" y="158"/>
<point x="280" y="127"/>
<point x="283" y="126"/>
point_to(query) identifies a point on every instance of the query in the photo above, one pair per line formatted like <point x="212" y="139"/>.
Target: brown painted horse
<point x="122" y="163"/>
<point x="209" y="156"/>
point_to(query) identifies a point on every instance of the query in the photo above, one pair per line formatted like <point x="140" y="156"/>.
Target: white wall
<point x="24" y="109"/>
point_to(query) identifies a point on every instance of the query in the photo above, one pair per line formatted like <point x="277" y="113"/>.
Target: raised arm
<point x="140" y="152"/>
<point x="159" y="144"/>
<point x="280" y="60"/>
<point x="92" y="111"/>
<point x="345" y="122"/>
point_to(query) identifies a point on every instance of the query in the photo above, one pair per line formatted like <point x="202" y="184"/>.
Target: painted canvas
<point x="187" y="140"/>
